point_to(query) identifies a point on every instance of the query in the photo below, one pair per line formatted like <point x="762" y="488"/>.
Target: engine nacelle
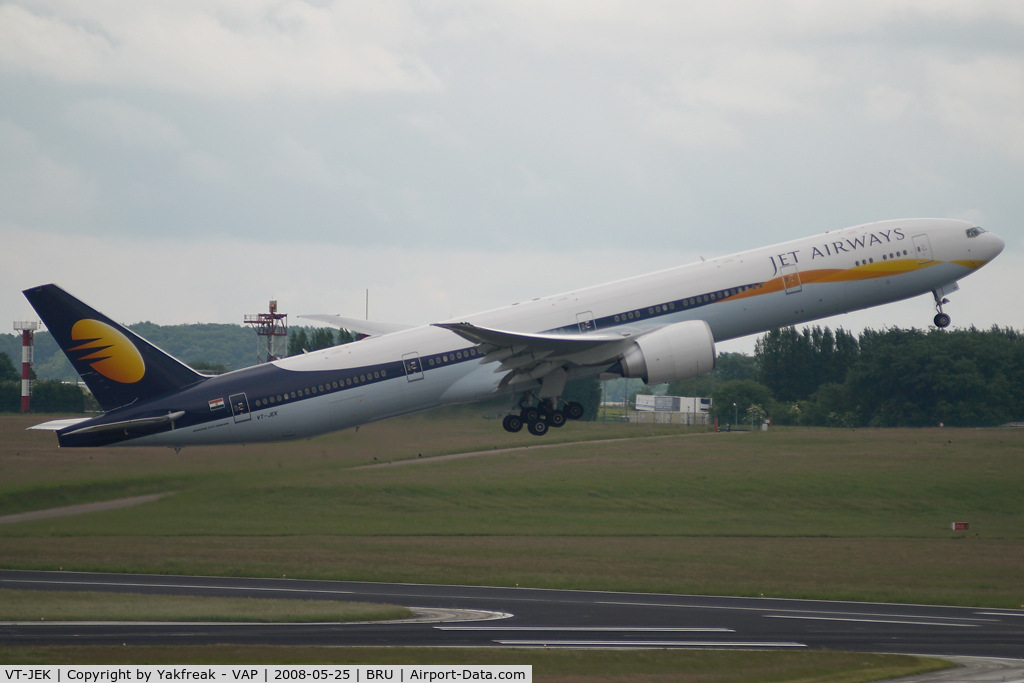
<point x="680" y="351"/>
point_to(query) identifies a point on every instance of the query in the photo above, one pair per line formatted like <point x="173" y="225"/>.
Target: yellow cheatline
<point x="972" y="264"/>
<point x="115" y="357"/>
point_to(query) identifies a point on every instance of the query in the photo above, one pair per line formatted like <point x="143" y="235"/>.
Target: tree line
<point x="48" y="396"/>
<point x="216" y="346"/>
<point x="883" y="378"/>
<point x="306" y="339"/>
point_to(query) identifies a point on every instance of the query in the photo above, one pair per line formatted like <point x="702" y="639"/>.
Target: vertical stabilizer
<point x="117" y="365"/>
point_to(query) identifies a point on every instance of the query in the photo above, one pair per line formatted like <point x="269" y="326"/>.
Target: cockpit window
<point x="974" y="232"/>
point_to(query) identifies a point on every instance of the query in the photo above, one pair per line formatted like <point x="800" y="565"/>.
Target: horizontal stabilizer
<point x="370" y="328"/>
<point x="130" y="424"/>
<point x="57" y="425"/>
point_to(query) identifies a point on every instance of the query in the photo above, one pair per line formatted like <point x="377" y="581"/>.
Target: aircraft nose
<point x="995" y="245"/>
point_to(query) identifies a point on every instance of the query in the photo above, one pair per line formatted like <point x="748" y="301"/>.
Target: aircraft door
<point x="791" y="279"/>
<point x="413" y="366"/>
<point x="240" y="407"/>
<point x="586" y="321"/>
<point x="923" y="248"/>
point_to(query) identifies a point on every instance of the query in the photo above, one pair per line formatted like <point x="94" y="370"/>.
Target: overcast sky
<point x="185" y="161"/>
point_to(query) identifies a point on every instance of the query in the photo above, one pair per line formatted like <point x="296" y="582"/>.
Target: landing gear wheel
<point x="512" y="423"/>
<point x="574" y="410"/>
<point x="941" y="320"/>
<point x="556" y="419"/>
<point x="529" y="415"/>
<point x="538" y="427"/>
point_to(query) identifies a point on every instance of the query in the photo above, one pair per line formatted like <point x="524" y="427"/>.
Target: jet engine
<point x="680" y="351"/>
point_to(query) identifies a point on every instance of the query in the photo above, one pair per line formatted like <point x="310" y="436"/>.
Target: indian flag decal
<point x="216" y="404"/>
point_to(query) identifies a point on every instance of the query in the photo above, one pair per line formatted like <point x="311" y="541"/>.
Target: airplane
<point x="660" y="327"/>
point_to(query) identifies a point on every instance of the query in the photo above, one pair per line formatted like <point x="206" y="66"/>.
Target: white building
<point x="673" y="404"/>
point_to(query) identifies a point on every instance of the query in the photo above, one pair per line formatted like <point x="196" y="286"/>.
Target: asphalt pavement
<point x="474" y="616"/>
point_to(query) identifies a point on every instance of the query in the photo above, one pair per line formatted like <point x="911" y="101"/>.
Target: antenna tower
<point x="28" y="331"/>
<point x="271" y="333"/>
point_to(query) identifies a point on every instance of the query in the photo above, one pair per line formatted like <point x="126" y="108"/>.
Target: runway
<point x="520" y="617"/>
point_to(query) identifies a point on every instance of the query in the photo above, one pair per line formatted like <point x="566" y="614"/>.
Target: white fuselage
<point x="737" y="295"/>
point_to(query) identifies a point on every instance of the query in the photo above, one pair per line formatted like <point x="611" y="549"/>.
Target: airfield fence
<point x="660" y="417"/>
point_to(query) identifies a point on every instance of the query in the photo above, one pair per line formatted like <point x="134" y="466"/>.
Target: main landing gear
<point x="542" y="417"/>
<point x="941" y="319"/>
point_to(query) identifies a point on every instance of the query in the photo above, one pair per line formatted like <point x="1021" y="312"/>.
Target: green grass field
<point x="31" y="605"/>
<point x="849" y="514"/>
<point x="637" y="666"/>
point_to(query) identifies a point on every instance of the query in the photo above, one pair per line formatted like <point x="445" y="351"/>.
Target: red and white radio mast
<point x="271" y="333"/>
<point x="28" y="330"/>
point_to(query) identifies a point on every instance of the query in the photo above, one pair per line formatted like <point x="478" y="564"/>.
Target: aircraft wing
<point x="544" y="357"/>
<point x="370" y="328"/>
<point x="560" y="344"/>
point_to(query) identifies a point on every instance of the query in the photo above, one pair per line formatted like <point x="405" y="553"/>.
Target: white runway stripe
<point x="650" y="643"/>
<point x="613" y="629"/>
<point x="798" y="611"/>
<point x="871" y="621"/>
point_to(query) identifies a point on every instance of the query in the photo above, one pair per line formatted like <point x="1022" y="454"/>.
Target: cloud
<point x="36" y="185"/>
<point x="507" y="123"/>
<point x="885" y="103"/>
<point x="983" y="98"/>
<point x="168" y="280"/>
<point x="711" y="91"/>
<point x="219" y="48"/>
<point x="124" y="124"/>
<point x="207" y="168"/>
<point x="299" y="163"/>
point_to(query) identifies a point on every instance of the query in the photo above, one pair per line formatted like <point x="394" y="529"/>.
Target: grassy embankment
<point x="549" y="666"/>
<point x="848" y="514"/>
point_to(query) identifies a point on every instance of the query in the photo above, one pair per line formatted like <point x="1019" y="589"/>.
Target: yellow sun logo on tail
<point x="115" y="357"/>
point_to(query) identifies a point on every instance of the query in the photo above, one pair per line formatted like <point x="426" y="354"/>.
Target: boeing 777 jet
<point x="660" y="327"/>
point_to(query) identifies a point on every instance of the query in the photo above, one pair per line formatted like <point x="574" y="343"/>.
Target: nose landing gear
<point x="941" y="319"/>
